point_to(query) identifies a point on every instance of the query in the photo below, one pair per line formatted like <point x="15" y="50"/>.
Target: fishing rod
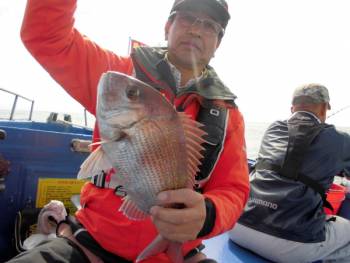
<point x="344" y="108"/>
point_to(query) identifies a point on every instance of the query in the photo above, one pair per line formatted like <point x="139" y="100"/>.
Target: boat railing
<point x="14" y="104"/>
<point x="53" y="116"/>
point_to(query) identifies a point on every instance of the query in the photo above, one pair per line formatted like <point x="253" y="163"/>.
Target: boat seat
<point x="223" y="250"/>
<point x="2" y="134"/>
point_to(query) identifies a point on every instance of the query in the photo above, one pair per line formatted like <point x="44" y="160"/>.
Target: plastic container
<point x="335" y="196"/>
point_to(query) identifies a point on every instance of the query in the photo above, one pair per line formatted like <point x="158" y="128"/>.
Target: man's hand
<point x="179" y="224"/>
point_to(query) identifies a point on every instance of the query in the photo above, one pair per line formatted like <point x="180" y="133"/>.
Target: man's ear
<point x="166" y="29"/>
<point x="321" y="111"/>
<point x="324" y="109"/>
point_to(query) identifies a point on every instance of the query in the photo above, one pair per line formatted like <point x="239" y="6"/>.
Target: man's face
<point x="192" y="39"/>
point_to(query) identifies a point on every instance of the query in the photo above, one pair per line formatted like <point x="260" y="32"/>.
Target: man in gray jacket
<point x="284" y="219"/>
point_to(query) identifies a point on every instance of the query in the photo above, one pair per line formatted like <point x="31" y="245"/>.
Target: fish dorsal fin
<point x="194" y="138"/>
<point x="130" y="210"/>
<point x="96" y="162"/>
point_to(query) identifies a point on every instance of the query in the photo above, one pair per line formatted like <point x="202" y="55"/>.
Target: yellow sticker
<point x="58" y="189"/>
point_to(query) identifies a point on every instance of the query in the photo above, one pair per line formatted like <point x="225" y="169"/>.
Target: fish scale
<point x="155" y="149"/>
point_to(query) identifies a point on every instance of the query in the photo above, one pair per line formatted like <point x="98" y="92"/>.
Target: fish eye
<point x="132" y="92"/>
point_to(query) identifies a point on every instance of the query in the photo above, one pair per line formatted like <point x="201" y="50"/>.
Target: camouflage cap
<point x="311" y="93"/>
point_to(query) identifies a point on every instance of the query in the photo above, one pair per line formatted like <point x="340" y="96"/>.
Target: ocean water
<point x="254" y="131"/>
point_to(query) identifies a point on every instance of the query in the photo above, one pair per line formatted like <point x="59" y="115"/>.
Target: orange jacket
<point x="77" y="63"/>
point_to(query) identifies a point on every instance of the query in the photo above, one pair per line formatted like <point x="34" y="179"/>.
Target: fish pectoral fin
<point x="130" y="210"/>
<point x="96" y="162"/>
<point x="160" y="245"/>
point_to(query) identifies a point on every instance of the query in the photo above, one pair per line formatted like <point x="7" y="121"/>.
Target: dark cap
<point x="217" y="9"/>
<point x="311" y="93"/>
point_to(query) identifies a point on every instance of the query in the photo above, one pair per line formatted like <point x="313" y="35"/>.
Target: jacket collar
<point x="153" y="61"/>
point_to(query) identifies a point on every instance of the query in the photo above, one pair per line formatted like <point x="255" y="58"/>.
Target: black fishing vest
<point x="151" y="68"/>
<point x="302" y="130"/>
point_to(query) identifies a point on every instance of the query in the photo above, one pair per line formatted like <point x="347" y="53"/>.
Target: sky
<point x="270" y="47"/>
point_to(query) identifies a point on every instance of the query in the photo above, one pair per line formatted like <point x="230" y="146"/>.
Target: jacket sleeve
<point x="73" y="60"/>
<point x="228" y="187"/>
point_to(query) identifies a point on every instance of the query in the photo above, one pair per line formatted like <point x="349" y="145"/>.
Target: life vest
<point x="151" y="67"/>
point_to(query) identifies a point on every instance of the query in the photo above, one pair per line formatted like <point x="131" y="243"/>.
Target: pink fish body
<point x="151" y="146"/>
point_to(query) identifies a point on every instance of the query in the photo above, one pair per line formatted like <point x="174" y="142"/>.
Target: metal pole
<point x="85" y="117"/>
<point x="13" y="107"/>
<point x="31" y="111"/>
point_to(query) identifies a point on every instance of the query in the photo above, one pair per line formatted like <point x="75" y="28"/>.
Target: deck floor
<point x="223" y="250"/>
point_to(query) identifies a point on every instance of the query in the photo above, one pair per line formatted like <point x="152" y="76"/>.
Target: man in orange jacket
<point x="181" y="72"/>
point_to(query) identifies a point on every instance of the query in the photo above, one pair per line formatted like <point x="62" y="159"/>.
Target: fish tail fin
<point x="160" y="245"/>
<point x="96" y="162"/>
<point x="174" y="252"/>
